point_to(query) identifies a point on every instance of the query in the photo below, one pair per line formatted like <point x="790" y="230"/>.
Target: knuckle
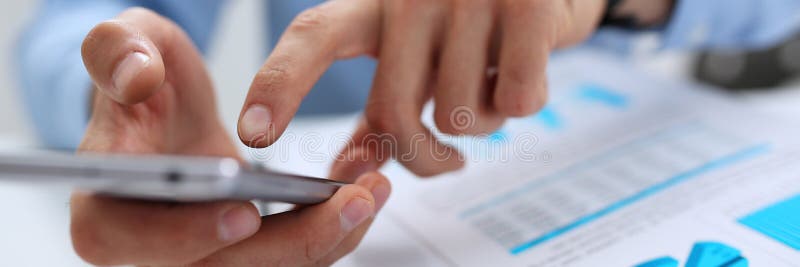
<point x="517" y="76"/>
<point x="314" y="250"/>
<point x="523" y="101"/>
<point x="381" y="118"/>
<point x="442" y="118"/>
<point x="315" y="27"/>
<point x="518" y="107"/>
<point x="311" y="20"/>
<point x="273" y="76"/>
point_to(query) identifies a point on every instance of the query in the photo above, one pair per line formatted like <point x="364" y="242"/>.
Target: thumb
<point x="309" y="236"/>
<point x="110" y="231"/>
<point x="126" y="56"/>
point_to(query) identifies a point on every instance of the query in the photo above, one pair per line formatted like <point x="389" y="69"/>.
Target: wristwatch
<point x="637" y="14"/>
<point x="609" y="19"/>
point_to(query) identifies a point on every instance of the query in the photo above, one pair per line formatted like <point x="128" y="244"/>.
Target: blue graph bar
<point x="704" y="254"/>
<point x="731" y="159"/>
<point x="549" y="118"/>
<point x="597" y="93"/>
<point x="715" y="254"/>
<point x="660" y="262"/>
<point x="780" y="221"/>
<point x="499" y="136"/>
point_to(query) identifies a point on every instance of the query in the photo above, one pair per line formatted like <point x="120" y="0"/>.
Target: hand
<point x="154" y="96"/>
<point x="440" y="49"/>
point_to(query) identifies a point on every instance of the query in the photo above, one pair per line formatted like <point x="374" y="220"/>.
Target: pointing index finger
<point x="317" y="37"/>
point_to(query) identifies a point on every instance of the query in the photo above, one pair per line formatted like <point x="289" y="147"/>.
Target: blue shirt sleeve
<point x="699" y="24"/>
<point x="55" y="85"/>
<point x="731" y="23"/>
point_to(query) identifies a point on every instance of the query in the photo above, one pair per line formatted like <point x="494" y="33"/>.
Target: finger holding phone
<point x="153" y="96"/>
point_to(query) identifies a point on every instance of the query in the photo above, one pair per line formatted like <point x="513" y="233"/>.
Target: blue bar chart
<point x="544" y="209"/>
<point x="704" y="254"/>
<point x="780" y="221"/>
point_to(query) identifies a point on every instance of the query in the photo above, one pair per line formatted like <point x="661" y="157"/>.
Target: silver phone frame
<point x="166" y="177"/>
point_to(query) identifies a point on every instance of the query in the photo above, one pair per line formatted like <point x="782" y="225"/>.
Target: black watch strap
<point x="621" y="22"/>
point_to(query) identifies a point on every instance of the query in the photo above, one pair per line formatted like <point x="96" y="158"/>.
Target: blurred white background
<point x="13" y="15"/>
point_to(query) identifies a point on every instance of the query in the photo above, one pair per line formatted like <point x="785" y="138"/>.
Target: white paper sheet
<point x="618" y="170"/>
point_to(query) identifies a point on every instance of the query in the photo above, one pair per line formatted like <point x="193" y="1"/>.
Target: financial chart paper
<point x="618" y="169"/>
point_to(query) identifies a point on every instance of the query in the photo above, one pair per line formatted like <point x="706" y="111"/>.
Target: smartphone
<point x="166" y="178"/>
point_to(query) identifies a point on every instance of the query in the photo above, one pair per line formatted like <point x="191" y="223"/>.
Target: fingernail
<point x="127" y="70"/>
<point x="238" y="223"/>
<point x="381" y="194"/>
<point x="354" y="213"/>
<point x="255" y="122"/>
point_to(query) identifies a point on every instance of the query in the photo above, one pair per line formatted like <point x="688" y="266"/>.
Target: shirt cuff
<point x="730" y="23"/>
